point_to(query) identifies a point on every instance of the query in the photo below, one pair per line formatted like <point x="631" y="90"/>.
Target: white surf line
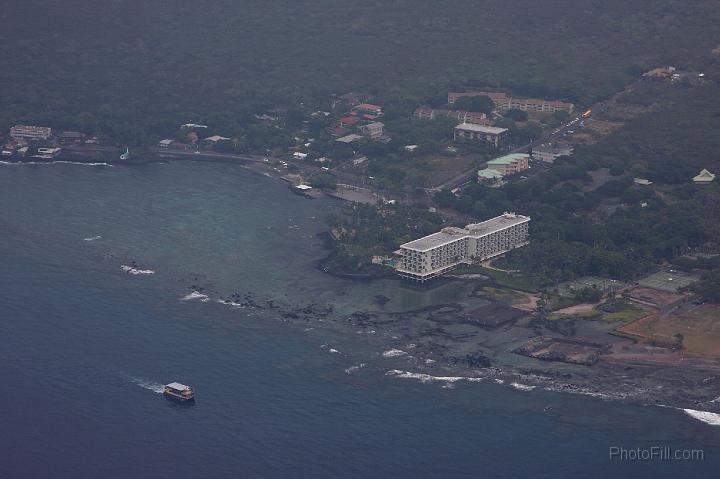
<point x="427" y="378"/>
<point x="393" y="353"/>
<point x="62" y="162"/>
<point x="196" y="295"/>
<point x="522" y="387"/>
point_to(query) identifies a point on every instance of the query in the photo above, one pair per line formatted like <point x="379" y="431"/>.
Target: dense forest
<point x="135" y="69"/>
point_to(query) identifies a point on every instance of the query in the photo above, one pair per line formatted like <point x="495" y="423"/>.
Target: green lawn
<point x="625" y="316"/>
<point x="501" y="278"/>
<point x="594" y="314"/>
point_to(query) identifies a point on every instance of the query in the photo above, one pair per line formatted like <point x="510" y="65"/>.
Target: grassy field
<point x="627" y="313"/>
<point x="589" y="314"/>
<point x="499" y="294"/>
<point x="501" y="278"/>
<point x="699" y="327"/>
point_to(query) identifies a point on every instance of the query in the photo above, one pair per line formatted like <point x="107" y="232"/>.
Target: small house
<point x="704" y="178"/>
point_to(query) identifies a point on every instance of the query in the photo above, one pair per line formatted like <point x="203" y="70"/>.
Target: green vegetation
<point x="622" y="310"/>
<point x="516" y="115"/>
<point x="586" y="315"/>
<point x="135" y="69"/>
<point x="501" y="278"/>
<point x="324" y="181"/>
<point x="588" y="295"/>
<point x="708" y="287"/>
<point x="503" y="295"/>
<point x="364" y="231"/>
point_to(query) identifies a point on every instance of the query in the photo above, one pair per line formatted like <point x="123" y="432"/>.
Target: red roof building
<point x="349" y="121"/>
<point x="369" y="108"/>
<point x="338" y="131"/>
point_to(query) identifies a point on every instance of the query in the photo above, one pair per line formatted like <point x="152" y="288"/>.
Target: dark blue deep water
<point x="84" y="347"/>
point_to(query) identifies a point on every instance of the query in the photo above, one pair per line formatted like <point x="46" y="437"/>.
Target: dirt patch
<point x="654" y="297"/>
<point x="528" y="303"/>
<point x="577" y="309"/>
<point x="643" y="353"/>
<point x="696" y="330"/>
<point x="355" y="195"/>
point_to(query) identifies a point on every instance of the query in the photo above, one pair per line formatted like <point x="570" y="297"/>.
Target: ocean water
<point x="86" y="345"/>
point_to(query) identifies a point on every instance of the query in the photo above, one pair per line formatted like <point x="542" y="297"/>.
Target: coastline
<point x="439" y="355"/>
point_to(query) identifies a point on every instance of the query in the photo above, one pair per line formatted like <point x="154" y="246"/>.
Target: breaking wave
<point x="92" y="238"/>
<point x="354" y="368"/>
<point x="227" y="302"/>
<point x="392" y="353"/>
<point x="136" y="271"/>
<point x="195" y="295"/>
<point x="522" y="387"/>
<point x="707" y="417"/>
<point x="426" y="378"/>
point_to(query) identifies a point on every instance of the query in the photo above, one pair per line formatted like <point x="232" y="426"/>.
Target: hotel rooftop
<point x="475" y="230"/>
<point x="492" y="130"/>
<point x="444" y="236"/>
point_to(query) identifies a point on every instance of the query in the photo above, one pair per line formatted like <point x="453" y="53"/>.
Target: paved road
<point x="469" y="176"/>
<point x="550" y="137"/>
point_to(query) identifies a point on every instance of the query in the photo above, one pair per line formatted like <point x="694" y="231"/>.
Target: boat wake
<point x="92" y="238"/>
<point x="149" y="385"/>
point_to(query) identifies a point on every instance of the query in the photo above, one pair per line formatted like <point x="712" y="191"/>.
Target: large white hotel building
<point x="435" y="254"/>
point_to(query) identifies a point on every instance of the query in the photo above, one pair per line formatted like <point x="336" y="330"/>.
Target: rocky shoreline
<point x="407" y="349"/>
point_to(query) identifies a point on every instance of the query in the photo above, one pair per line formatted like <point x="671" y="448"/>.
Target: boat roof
<point x="178" y="387"/>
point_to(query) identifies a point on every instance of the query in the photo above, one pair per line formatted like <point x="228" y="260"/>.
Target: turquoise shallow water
<point x="85" y="347"/>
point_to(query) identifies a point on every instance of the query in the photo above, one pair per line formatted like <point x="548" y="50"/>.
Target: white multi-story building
<point x="480" y="133"/>
<point x="373" y="130"/>
<point x="549" y="153"/>
<point x="435" y="254"/>
<point x="30" y="132"/>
